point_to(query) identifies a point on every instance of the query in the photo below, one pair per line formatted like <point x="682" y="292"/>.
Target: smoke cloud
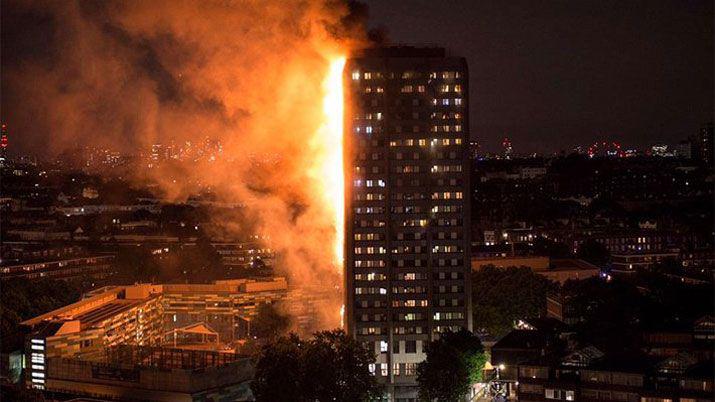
<point x="246" y="74"/>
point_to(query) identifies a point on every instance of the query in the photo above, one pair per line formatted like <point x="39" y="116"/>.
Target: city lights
<point x="329" y="200"/>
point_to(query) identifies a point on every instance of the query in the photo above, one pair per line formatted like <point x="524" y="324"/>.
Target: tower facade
<point x="407" y="205"/>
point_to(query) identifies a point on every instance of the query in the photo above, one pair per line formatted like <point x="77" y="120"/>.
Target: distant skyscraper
<point x="506" y="145"/>
<point x="407" y="205"/>
<point x="683" y="149"/>
<point x="704" y="145"/>
<point x="3" y="143"/>
<point x="474" y="149"/>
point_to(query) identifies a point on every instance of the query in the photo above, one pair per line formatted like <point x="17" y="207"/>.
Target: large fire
<point x="332" y="168"/>
<point x="255" y="86"/>
<point x="328" y="169"/>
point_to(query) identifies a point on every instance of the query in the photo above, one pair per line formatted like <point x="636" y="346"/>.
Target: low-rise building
<point x="141" y="373"/>
<point x="627" y="378"/>
<point x="141" y="315"/>
<point x="557" y="270"/>
<point x="631" y="262"/>
<point x="96" y="267"/>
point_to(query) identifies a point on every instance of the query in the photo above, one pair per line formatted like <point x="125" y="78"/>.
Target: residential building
<point x="141" y="315"/>
<point x="97" y="267"/>
<point x="407" y="205"/>
<point x="143" y="373"/>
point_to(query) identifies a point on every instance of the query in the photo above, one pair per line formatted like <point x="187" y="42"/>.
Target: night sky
<point x="550" y="74"/>
<point x="553" y="74"/>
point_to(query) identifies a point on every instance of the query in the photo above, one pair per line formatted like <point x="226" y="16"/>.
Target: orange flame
<point x="328" y="168"/>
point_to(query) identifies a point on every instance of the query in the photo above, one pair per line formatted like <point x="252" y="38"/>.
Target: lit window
<point x="356" y="75"/>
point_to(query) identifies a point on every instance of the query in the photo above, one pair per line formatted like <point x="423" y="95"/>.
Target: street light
<point x="499" y="368"/>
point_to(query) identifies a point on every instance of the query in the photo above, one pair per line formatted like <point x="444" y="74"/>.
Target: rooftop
<point x="571" y="264"/>
<point x="101" y="304"/>
<point x="106" y="311"/>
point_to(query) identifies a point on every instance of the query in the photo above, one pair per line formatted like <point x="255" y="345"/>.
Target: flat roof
<point x="571" y="264"/>
<point x="103" y="303"/>
<point x="106" y="311"/>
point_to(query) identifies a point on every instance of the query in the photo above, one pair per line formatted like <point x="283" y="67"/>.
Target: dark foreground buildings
<point x="407" y="205"/>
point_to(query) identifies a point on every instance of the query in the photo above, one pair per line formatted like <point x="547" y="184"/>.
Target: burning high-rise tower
<point x="407" y="205"/>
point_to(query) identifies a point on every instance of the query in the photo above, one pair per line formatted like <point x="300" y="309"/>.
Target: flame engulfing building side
<point x="407" y="205"/>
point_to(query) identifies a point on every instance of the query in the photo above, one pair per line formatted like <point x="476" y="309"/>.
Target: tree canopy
<point x="613" y="314"/>
<point x="331" y="366"/>
<point x="501" y="296"/>
<point x="269" y="322"/>
<point x="594" y="252"/>
<point x="21" y="299"/>
<point x="454" y="362"/>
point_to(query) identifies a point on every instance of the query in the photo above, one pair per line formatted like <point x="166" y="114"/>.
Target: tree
<point x="136" y="264"/>
<point x="454" y="362"/>
<point x="21" y="299"/>
<point x="329" y="367"/>
<point x="337" y="369"/>
<point x="544" y="246"/>
<point x="501" y="296"/>
<point x="201" y="262"/>
<point x="610" y="313"/>
<point x="594" y="252"/>
<point x="269" y="323"/>
<point x="280" y="371"/>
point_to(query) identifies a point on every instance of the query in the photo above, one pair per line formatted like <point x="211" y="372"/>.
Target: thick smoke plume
<point x="247" y="74"/>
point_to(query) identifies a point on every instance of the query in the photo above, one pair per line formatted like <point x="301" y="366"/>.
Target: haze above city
<point x="550" y="76"/>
